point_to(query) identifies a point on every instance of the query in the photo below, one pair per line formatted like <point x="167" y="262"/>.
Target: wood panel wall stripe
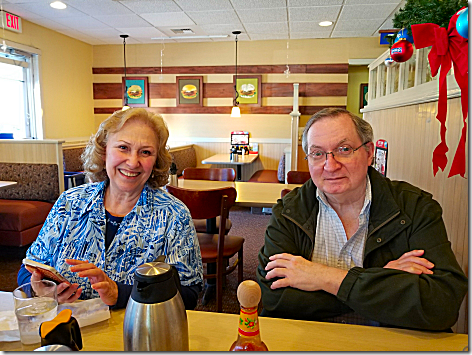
<point x="304" y="110"/>
<point x="341" y="68"/>
<point x="102" y="91"/>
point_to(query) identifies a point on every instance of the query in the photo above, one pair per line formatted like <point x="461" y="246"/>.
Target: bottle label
<point x="248" y="322"/>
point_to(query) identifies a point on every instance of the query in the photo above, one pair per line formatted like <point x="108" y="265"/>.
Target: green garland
<point x="427" y="11"/>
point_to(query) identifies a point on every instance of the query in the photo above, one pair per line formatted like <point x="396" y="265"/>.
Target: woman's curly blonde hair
<point x="93" y="156"/>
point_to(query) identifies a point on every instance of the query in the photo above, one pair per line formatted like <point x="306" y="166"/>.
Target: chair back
<point x="284" y="192"/>
<point x="213" y="174"/>
<point x="205" y="204"/>
<point x="298" y="177"/>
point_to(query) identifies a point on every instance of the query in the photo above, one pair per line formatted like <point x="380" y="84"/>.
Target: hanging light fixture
<point x="125" y="101"/>
<point x="235" y="111"/>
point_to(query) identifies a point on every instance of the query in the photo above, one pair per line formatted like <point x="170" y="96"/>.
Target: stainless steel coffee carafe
<point x="155" y="317"/>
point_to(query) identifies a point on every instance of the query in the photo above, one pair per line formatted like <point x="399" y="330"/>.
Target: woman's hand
<point x="106" y="287"/>
<point x="65" y="293"/>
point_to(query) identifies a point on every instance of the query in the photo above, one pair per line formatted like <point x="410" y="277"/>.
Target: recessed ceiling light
<point x="325" y="23"/>
<point x="58" y="5"/>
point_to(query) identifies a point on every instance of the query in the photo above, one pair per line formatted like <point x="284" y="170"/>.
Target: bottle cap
<point x="249" y="294"/>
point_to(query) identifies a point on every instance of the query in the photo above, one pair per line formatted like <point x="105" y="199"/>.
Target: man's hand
<point x="300" y="273"/>
<point x="106" y="287"/>
<point x="412" y="263"/>
<point x="65" y="293"/>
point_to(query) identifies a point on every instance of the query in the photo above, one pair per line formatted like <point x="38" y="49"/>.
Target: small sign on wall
<point x="380" y="162"/>
<point x="12" y="22"/>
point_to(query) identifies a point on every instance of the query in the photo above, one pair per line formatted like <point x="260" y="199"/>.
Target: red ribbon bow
<point x="446" y="45"/>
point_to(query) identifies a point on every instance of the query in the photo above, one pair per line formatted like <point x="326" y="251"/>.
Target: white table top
<point x="225" y="159"/>
<point x="250" y="194"/>
<point x="7" y="184"/>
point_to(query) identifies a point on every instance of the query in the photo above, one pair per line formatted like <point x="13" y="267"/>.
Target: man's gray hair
<point x="363" y="128"/>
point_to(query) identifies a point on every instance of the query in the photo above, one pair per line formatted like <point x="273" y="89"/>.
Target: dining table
<point x="225" y="158"/>
<point x="249" y="194"/>
<point x="212" y="331"/>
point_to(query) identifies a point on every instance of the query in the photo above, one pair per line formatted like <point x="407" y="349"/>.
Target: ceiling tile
<point x="303" y="3"/>
<point x="359" y="12"/>
<point x="364" y="25"/>
<point x="302" y="35"/>
<point x="266" y="28"/>
<point x="257" y="4"/>
<point x="177" y="19"/>
<point x="20" y="11"/>
<point x="102" y="7"/>
<point x="263" y="15"/>
<point x="204" y="5"/>
<point x="123" y="21"/>
<point x="220" y="29"/>
<point x="359" y="2"/>
<point x="82" y="22"/>
<point x="45" y="10"/>
<point x="309" y="26"/>
<point x="340" y="34"/>
<point x="147" y="7"/>
<point x="315" y="13"/>
<point x="141" y="32"/>
<point x="268" y="36"/>
<point x="45" y="22"/>
<point x="103" y="32"/>
<point x="214" y="17"/>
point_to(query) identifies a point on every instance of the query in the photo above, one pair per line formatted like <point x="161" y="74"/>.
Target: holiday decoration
<point x="462" y="24"/>
<point x="389" y="62"/>
<point x="447" y="45"/>
<point x="427" y="11"/>
<point x="403" y="34"/>
<point x="401" y="51"/>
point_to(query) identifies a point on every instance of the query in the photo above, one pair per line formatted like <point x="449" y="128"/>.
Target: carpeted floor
<point x="245" y="224"/>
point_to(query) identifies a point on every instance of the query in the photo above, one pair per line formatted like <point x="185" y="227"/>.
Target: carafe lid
<point x="153" y="272"/>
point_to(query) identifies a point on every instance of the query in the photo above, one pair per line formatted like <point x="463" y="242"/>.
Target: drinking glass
<point x="35" y="302"/>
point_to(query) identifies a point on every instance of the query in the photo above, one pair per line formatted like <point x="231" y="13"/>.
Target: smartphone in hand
<point x="47" y="272"/>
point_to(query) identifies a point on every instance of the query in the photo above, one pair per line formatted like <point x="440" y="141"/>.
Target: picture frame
<point x="249" y="88"/>
<point x="363" y="95"/>
<point x="136" y="89"/>
<point x="189" y="91"/>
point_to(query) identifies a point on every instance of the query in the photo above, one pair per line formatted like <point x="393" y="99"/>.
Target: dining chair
<point x="213" y="174"/>
<point x="284" y="192"/>
<point x="215" y="248"/>
<point x="298" y="177"/>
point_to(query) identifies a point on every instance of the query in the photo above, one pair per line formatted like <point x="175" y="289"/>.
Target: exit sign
<point x="12" y="22"/>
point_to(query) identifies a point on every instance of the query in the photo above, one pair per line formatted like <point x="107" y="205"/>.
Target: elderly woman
<point x="97" y="234"/>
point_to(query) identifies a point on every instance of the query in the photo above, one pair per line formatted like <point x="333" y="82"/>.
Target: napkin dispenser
<point x="155" y="317"/>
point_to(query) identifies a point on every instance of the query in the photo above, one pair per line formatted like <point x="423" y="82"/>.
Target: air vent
<point x="182" y="31"/>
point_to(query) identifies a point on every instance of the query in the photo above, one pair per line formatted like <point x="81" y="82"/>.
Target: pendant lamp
<point x="235" y="111"/>
<point x="125" y="106"/>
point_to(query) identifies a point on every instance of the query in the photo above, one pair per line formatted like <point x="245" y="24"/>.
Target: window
<point x="19" y="94"/>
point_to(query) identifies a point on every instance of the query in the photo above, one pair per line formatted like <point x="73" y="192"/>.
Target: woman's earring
<point x="152" y="175"/>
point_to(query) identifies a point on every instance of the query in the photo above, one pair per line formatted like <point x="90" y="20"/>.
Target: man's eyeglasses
<point x="342" y="152"/>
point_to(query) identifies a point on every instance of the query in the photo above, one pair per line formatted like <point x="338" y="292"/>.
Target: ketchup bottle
<point x="249" y="339"/>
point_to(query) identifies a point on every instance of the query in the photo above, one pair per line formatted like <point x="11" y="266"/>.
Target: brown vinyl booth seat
<point x="298" y="177"/>
<point x="25" y="206"/>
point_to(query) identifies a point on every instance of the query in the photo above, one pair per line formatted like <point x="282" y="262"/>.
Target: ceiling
<point x="102" y="21"/>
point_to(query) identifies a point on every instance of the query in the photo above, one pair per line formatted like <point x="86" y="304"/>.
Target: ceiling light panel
<point x="214" y="17"/>
<point x="204" y="5"/>
<point x="315" y="13"/>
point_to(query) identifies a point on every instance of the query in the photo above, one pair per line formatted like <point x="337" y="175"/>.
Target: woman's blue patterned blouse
<point x="159" y="224"/>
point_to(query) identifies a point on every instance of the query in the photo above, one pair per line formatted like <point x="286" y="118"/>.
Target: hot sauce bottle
<point x="249" y="339"/>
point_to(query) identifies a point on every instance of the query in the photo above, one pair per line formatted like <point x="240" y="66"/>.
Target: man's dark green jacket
<point x="402" y="218"/>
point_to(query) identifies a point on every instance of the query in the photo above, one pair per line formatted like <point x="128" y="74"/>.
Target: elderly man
<point x="352" y="246"/>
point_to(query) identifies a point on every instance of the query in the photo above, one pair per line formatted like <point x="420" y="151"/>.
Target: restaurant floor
<point x="245" y="224"/>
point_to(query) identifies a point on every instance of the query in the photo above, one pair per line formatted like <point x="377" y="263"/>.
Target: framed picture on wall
<point x="363" y="95"/>
<point x="249" y="89"/>
<point x="190" y="91"/>
<point x="137" y="91"/>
